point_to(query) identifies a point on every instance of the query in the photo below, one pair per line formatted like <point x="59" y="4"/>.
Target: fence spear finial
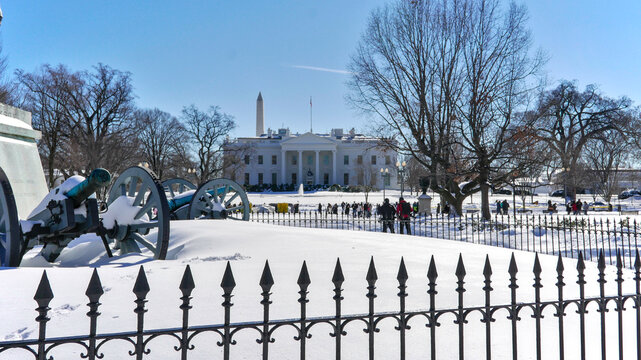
<point x="141" y="286"/>
<point x="303" y="277"/>
<point x="487" y="268"/>
<point x="338" y="277"/>
<point x="228" y="283"/>
<point x="512" y="269"/>
<point x="94" y="289"/>
<point x="432" y="274"/>
<point x="187" y="283"/>
<point x="460" y="267"/>
<point x="559" y="265"/>
<point x="402" y="272"/>
<point x="266" y="279"/>
<point x="372" y="276"/>
<point x="43" y="295"/>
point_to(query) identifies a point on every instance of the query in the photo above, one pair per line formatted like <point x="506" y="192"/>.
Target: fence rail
<point x="546" y="234"/>
<point x="141" y="339"/>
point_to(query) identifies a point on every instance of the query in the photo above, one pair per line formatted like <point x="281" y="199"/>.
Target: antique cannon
<point x="136" y="205"/>
<point x="215" y="199"/>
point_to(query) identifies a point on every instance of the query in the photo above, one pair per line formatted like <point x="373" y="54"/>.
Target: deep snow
<point x="206" y="245"/>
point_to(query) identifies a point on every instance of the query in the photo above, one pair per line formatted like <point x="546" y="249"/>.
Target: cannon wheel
<point x="215" y="193"/>
<point x="144" y="190"/>
<point x="9" y="225"/>
<point x="177" y="186"/>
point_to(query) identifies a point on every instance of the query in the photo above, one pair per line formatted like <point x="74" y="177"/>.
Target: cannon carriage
<point x="215" y="199"/>
<point x="136" y="216"/>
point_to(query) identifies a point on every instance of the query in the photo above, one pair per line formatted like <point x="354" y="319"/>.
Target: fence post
<point x="637" y="300"/>
<point x="432" y="274"/>
<point x="513" y="313"/>
<point x="228" y="284"/>
<point x="186" y="287"/>
<point x="560" y="309"/>
<point x="580" y="267"/>
<point x="43" y="297"/>
<point x="338" y="280"/>
<point x="402" y="294"/>
<point x="619" y="302"/>
<point x="371" y="278"/>
<point x="266" y="282"/>
<point x="537" y="303"/>
<point x="487" y="316"/>
<point x="460" y="316"/>
<point x="141" y="289"/>
<point x="94" y="292"/>
<point x="303" y="283"/>
<point x="602" y="304"/>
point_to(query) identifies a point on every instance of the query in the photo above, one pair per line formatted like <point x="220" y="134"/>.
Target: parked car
<point x="502" y="192"/>
<point x="558" y="193"/>
<point x="599" y="206"/>
<point x="629" y="193"/>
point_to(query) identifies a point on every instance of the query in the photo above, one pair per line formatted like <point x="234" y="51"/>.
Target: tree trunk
<point x="485" y="201"/>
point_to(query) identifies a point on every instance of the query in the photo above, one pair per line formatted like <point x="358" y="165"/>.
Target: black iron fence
<point x="546" y="234"/>
<point x="433" y="317"/>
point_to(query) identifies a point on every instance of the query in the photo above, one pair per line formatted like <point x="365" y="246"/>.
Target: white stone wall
<point x="268" y="147"/>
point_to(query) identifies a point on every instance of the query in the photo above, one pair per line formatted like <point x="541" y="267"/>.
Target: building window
<point x="346" y="160"/>
<point x="360" y="179"/>
<point x="326" y="178"/>
<point x="274" y="159"/>
<point x="260" y="159"/>
<point x="346" y="179"/>
<point x="294" y="159"/>
<point x="274" y="178"/>
<point x="386" y="180"/>
<point x="373" y="159"/>
<point x="388" y="160"/>
<point x="294" y="178"/>
<point x="310" y="160"/>
<point x="326" y="159"/>
<point x="260" y="178"/>
<point x="359" y="159"/>
<point x="246" y="159"/>
<point x="246" y="178"/>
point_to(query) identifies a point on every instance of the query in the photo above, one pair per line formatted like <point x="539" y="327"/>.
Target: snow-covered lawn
<point x="207" y="245"/>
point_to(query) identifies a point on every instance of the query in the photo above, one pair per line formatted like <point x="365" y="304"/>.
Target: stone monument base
<point x="20" y="160"/>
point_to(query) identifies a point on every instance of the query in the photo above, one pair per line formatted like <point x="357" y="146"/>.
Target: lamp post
<point x="385" y="176"/>
<point x="192" y="171"/>
<point x="400" y="166"/>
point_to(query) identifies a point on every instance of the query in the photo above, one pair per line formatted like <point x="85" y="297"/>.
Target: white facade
<point x="314" y="159"/>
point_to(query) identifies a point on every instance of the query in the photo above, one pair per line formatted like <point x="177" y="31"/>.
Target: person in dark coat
<point x="505" y="206"/>
<point x="387" y="212"/>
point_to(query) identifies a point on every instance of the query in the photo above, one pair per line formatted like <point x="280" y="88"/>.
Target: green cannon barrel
<point x="176" y="203"/>
<point x="98" y="179"/>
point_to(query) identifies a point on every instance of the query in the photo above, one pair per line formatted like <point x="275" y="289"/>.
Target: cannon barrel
<point x="98" y="179"/>
<point x="181" y="201"/>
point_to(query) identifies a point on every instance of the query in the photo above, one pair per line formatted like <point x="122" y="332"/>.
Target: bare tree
<point x="605" y="156"/>
<point x="445" y="79"/>
<point x="160" y="135"/>
<point x="566" y="119"/>
<point x="45" y="97"/>
<point x="208" y="131"/>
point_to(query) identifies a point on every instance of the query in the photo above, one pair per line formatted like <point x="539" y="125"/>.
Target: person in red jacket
<point x="404" y="210"/>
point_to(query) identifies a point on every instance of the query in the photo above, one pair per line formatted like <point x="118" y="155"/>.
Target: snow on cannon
<point x="136" y="204"/>
<point x="215" y="199"/>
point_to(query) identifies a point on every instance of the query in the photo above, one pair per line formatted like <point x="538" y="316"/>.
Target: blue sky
<point x="224" y="52"/>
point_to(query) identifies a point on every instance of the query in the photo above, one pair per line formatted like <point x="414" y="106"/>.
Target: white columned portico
<point x="317" y="180"/>
<point x="333" y="166"/>
<point x="283" y="162"/>
<point x="300" y="166"/>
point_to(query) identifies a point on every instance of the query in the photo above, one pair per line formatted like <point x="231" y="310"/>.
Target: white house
<point x="310" y="158"/>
